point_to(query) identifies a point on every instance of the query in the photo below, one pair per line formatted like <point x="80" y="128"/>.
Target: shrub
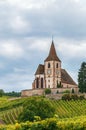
<point x="47" y="91"/>
<point x="66" y="97"/>
<point x="36" y="107"/>
<point x="81" y="97"/>
<point x="66" y="91"/>
<point x="74" y="97"/>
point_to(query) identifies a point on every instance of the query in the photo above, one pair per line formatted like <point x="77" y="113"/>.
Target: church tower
<point x="52" y="70"/>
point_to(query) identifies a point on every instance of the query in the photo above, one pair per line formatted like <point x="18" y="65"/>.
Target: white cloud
<point x="10" y="49"/>
<point x="72" y="49"/>
<point x="16" y="82"/>
<point x="19" y="25"/>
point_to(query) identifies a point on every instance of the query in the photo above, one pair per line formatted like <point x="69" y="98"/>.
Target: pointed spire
<point x="52" y="54"/>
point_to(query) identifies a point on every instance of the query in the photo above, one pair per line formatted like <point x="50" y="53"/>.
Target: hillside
<point x="10" y="109"/>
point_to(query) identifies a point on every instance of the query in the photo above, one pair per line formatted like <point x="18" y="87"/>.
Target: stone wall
<point x="32" y="92"/>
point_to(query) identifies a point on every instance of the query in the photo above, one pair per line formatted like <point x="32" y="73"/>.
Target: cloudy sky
<point x="26" y="29"/>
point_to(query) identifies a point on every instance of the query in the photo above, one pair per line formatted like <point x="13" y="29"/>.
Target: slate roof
<point x="40" y="69"/>
<point x="66" y="78"/>
<point x="52" y="54"/>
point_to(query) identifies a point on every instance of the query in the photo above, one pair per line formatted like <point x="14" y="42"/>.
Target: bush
<point x="74" y="97"/>
<point x="66" y="97"/>
<point x="47" y="91"/>
<point x="36" y="107"/>
<point x="81" y="97"/>
<point x="66" y="91"/>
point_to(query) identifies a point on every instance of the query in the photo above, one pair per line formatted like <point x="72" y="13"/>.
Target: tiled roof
<point x="52" y="54"/>
<point x="65" y="78"/>
<point x="40" y="69"/>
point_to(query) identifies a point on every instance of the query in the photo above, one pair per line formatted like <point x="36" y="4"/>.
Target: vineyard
<point x="10" y="116"/>
<point x="9" y="111"/>
<point x="67" y="109"/>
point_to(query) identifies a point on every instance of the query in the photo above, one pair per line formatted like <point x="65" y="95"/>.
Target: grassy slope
<point x="9" y="110"/>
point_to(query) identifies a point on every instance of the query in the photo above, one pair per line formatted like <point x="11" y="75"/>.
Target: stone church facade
<point x="51" y="75"/>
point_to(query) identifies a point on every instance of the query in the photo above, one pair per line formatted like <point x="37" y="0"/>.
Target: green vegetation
<point x="69" y="97"/>
<point x="10" y="94"/>
<point x="37" y="107"/>
<point x="10" y="109"/>
<point x="1" y="92"/>
<point x="50" y="124"/>
<point x="82" y="78"/>
<point x="10" y="116"/>
<point x="66" y="91"/>
<point x="47" y="91"/>
<point x="66" y="115"/>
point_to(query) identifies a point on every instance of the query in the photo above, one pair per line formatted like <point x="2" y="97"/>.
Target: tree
<point x="1" y="92"/>
<point x="82" y="78"/>
<point x="36" y="107"/>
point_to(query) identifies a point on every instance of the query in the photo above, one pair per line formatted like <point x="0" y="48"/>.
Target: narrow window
<point x="48" y="65"/>
<point x="57" y="65"/>
<point x="41" y="82"/>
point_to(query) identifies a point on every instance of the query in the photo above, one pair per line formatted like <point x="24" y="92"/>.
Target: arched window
<point x="41" y="82"/>
<point x="37" y="82"/>
<point x="48" y="65"/>
<point x="57" y="65"/>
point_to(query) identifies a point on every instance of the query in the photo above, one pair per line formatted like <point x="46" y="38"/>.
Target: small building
<point x="51" y="75"/>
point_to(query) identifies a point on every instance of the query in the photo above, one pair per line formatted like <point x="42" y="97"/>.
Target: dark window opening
<point x="37" y="83"/>
<point x="57" y="65"/>
<point x="41" y="82"/>
<point x="48" y="65"/>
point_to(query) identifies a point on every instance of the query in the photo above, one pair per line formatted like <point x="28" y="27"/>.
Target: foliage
<point x="63" y="109"/>
<point x="10" y="116"/>
<point x="47" y="91"/>
<point x="76" y="123"/>
<point x="12" y="94"/>
<point x="81" y="97"/>
<point x="82" y="78"/>
<point x="1" y="92"/>
<point x="9" y="104"/>
<point x="66" y="91"/>
<point x="72" y="97"/>
<point x="66" y="97"/>
<point x="37" y="107"/>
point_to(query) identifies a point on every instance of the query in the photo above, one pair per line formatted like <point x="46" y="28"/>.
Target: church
<point x="51" y="75"/>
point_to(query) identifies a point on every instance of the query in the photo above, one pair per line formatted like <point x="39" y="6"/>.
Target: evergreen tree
<point x="82" y="78"/>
